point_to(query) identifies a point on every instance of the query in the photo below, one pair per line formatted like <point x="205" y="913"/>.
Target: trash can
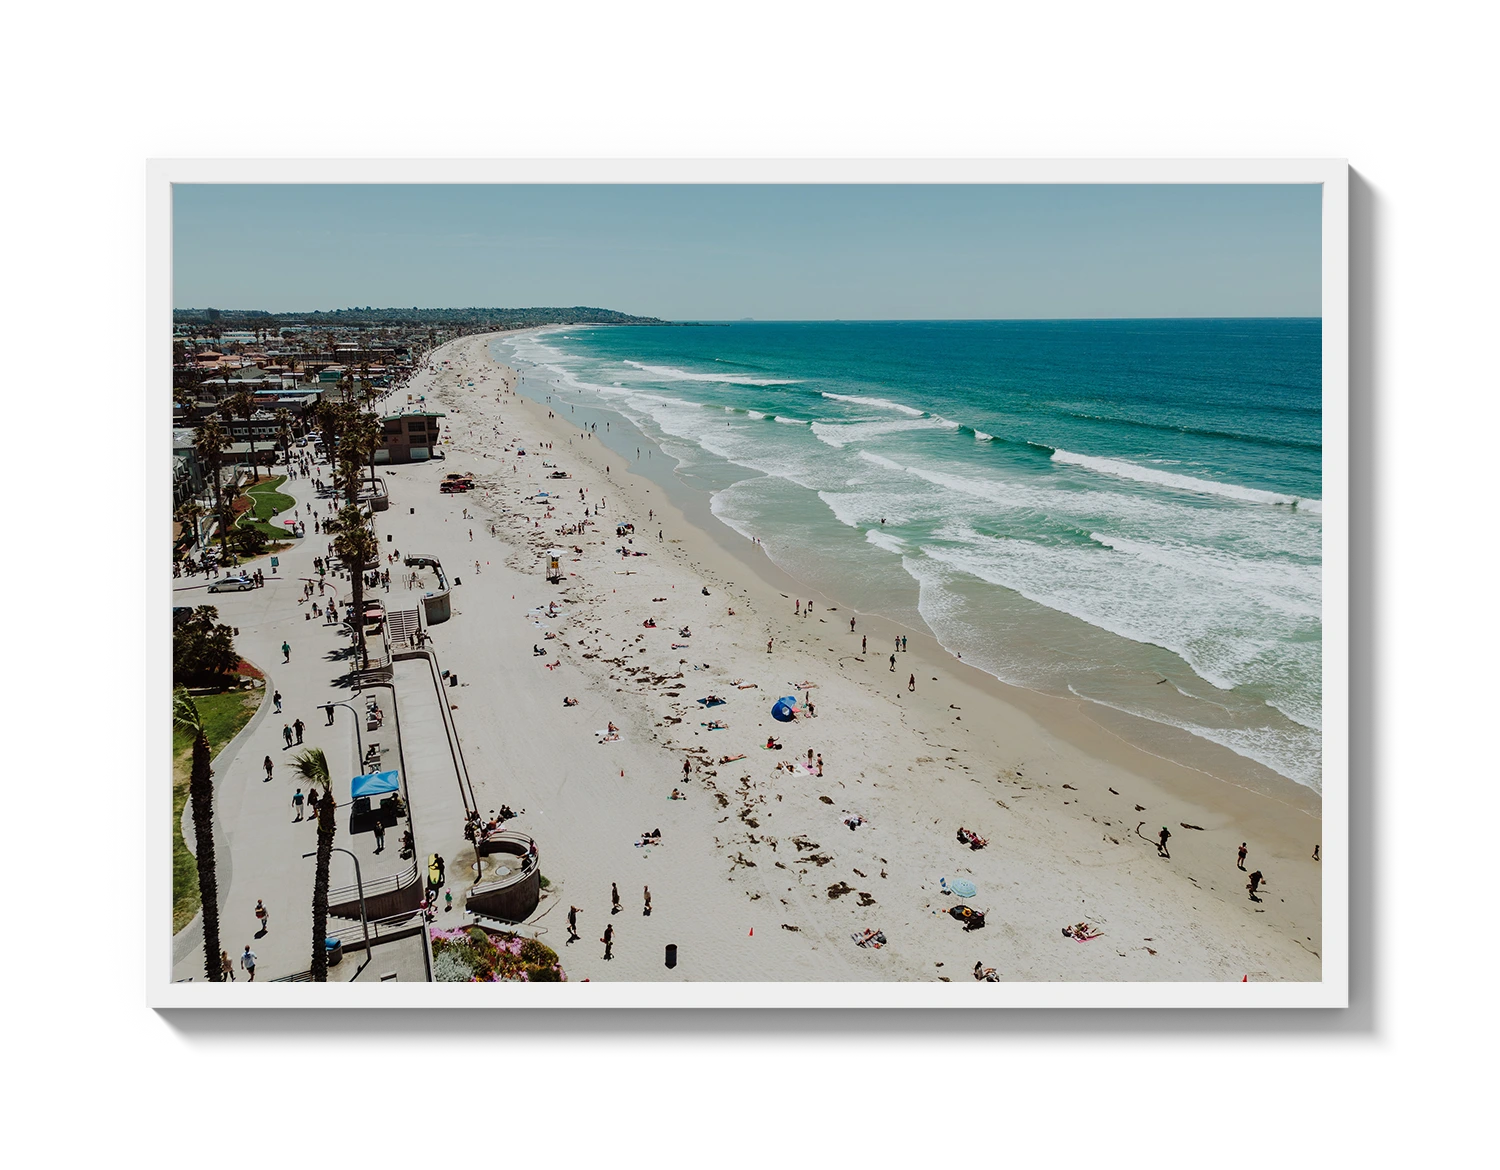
<point x="671" y="955"/>
<point x="335" y="949"/>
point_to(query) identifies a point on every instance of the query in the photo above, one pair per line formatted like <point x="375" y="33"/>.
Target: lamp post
<point x="358" y="740"/>
<point x="364" y="920"/>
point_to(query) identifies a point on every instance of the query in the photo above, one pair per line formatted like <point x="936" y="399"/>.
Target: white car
<point x="231" y="584"/>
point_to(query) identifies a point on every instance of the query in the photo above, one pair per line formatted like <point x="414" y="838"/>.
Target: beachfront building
<point x="410" y="437"/>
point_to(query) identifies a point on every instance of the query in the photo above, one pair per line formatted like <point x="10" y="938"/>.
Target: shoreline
<point x="1197" y="757"/>
<point x="1038" y="749"/>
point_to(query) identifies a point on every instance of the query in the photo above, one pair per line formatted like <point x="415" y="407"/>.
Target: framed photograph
<point x="815" y="570"/>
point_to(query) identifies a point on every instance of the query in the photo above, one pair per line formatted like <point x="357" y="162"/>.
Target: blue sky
<point x="769" y="252"/>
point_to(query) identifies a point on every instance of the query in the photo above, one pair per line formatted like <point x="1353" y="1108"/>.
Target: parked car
<point x="231" y="584"/>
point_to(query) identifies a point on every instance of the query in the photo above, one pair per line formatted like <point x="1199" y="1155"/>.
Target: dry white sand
<point x="757" y="876"/>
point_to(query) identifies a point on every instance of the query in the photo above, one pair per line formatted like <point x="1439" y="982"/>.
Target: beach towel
<point x="811" y="770"/>
<point x="712" y="702"/>
<point x="747" y="686"/>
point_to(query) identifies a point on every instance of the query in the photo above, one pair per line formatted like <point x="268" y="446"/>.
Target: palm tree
<point x="188" y="514"/>
<point x="284" y="432"/>
<point x="356" y="545"/>
<point x="243" y="404"/>
<point x="312" y="766"/>
<point x="201" y="794"/>
<point x="210" y="442"/>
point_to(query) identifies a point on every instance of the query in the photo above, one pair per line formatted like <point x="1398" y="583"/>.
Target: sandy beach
<point x="766" y="870"/>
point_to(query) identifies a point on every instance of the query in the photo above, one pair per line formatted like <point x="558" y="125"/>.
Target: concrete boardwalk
<point x="259" y="843"/>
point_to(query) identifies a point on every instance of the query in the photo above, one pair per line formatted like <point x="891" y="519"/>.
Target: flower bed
<point x="476" y="954"/>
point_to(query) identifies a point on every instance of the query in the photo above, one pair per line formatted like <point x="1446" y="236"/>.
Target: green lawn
<point x="267" y="503"/>
<point x="223" y="716"/>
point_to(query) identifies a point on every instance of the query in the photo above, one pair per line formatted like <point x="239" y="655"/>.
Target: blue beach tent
<point x="375" y="784"/>
<point x="785" y="709"/>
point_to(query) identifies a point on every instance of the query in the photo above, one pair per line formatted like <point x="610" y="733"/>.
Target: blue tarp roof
<point x="375" y="784"/>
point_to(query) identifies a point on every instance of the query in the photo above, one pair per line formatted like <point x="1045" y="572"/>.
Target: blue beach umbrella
<point x="785" y="709"/>
<point x="959" y="886"/>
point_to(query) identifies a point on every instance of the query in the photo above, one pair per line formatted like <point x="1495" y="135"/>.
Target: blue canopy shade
<point x="375" y="784"/>
<point x="785" y="709"/>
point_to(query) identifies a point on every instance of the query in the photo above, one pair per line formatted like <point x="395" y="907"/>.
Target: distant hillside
<point x="397" y="318"/>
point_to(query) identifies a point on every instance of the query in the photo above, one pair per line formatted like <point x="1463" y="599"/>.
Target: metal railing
<point x="383" y="885"/>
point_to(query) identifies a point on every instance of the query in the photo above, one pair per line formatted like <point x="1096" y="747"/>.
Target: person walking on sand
<point x="379" y="836"/>
<point x="262" y="916"/>
<point x="614" y="898"/>
<point x="298" y="726"/>
<point x="1256" y="881"/>
<point x="893" y="664"/>
<point x="864" y="643"/>
<point x="851" y="625"/>
<point x="1317" y="850"/>
<point x="572" y="925"/>
<point x="769" y="642"/>
<point x="286" y="652"/>
<point x="609" y="942"/>
<point x="911" y="682"/>
<point x="269" y="766"/>
<point x="297" y="802"/>
<point x="1240" y="863"/>
<point x="646" y="913"/>
<point x="687" y="767"/>
<point x="903" y="643"/>
<point x="1161" y="843"/>
<point x="226" y="966"/>
<point x="247" y="961"/>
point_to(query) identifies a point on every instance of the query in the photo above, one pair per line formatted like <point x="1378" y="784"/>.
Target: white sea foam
<point x="842" y="434"/>
<point x="672" y="373"/>
<point x="1286" y="753"/>
<point x="981" y="437"/>
<point x="886" y="403"/>
<point x="796" y="422"/>
<point x="886" y="541"/>
<point x="1187" y="483"/>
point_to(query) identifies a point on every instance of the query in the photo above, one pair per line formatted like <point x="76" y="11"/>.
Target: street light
<point x="358" y="740"/>
<point x="363" y="919"/>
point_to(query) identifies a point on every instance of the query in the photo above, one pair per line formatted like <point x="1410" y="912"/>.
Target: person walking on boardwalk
<point x="263" y="916"/>
<point x="1161" y="843"/>
<point x="298" y="726"/>
<point x="276" y="698"/>
<point x="609" y="941"/>
<point x="572" y="925"/>
<point x="247" y="961"/>
<point x="379" y="836"/>
<point x="1240" y="864"/>
<point x="614" y="898"/>
<point x="297" y="802"/>
<point x="226" y="966"/>
<point x="286" y="734"/>
<point x="268" y="766"/>
<point x="286" y="652"/>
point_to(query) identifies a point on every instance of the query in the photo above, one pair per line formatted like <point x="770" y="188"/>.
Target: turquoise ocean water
<point x="1084" y="507"/>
